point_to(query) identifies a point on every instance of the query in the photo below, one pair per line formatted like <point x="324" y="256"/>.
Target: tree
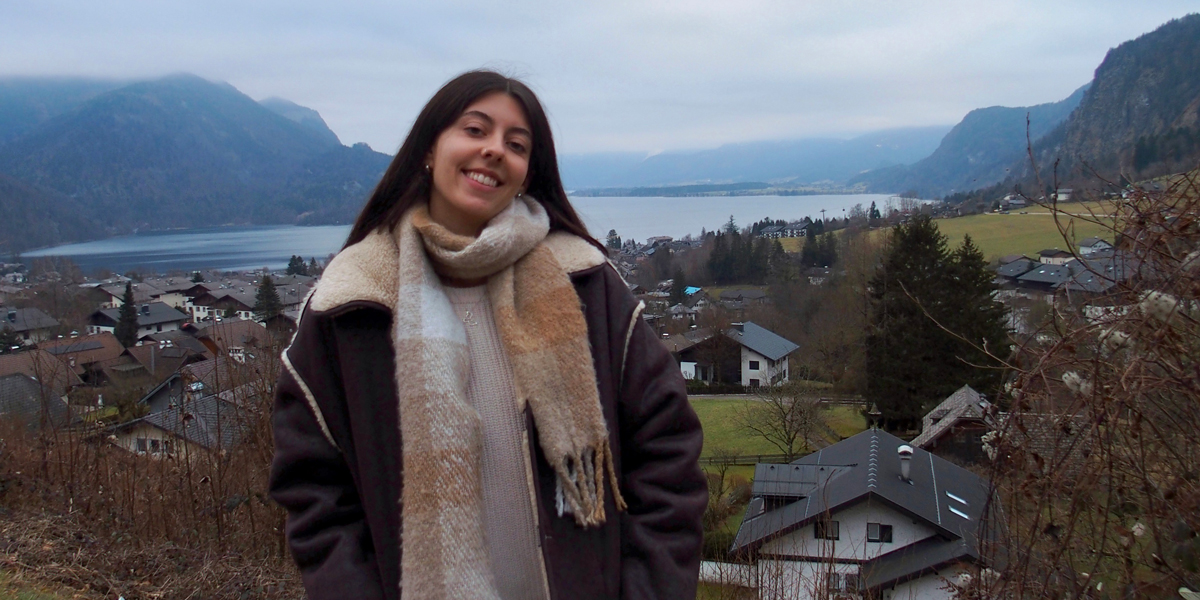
<point x="296" y="266"/>
<point x="678" y="287"/>
<point x="126" y="330"/>
<point x="784" y="416"/>
<point x="873" y="214"/>
<point x="197" y="277"/>
<point x="730" y="226"/>
<point x="266" y="300"/>
<point x="613" y="241"/>
<point x="9" y="339"/>
<point x="931" y="319"/>
<point x="314" y="269"/>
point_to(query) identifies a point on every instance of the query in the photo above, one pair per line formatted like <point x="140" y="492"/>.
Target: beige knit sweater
<point x="510" y="530"/>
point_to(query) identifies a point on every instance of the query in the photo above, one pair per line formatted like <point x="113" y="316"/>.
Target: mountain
<point x="978" y="152"/>
<point x="794" y="161"/>
<point x="27" y="102"/>
<point x="303" y="115"/>
<point x="34" y="217"/>
<point x="1139" y="119"/>
<point x="185" y="152"/>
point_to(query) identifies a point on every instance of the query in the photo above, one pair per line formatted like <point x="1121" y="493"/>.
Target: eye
<point x="517" y="146"/>
<point x="473" y="130"/>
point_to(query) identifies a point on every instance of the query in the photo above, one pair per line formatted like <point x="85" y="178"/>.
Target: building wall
<point x="688" y="369"/>
<point x="852" y="543"/>
<point x="767" y="368"/>
<point x="935" y="587"/>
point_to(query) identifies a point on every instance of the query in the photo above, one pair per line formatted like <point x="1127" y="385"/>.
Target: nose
<point x="493" y="147"/>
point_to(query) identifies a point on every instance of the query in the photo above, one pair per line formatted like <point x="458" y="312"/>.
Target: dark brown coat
<point x="338" y="469"/>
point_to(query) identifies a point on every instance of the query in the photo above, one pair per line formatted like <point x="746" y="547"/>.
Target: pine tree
<point x="296" y="266"/>
<point x="614" y="240"/>
<point x="678" y="287"/>
<point x="9" y="339"/>
<point x="921" y="287"/>
<point x="266" y="300"/>
<point x="314" y="269"/>
<point x="127" y="319"/>
<point x="197" y="277"/>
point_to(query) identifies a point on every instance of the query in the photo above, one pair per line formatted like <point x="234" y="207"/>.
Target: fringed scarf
<point x="541" y="324"/>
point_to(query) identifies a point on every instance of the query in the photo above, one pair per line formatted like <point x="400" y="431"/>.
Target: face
<point x="479" y="164"/>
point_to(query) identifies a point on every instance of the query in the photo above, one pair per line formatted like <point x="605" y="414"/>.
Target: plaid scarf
<point x="541" y="325"/>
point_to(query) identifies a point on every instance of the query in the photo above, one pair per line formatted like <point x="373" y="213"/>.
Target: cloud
<point x="617" y="75"/>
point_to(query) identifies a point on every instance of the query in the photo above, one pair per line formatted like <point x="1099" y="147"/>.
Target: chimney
<point x="905" y="451"/>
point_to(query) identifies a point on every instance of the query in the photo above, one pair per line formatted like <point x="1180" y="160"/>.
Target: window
<point x="825" y="530"/>
<point x="754" y="365"/>
<point x="841" y="582"/>
<point x="154" y="447"/>
<point x="141" y="444"/>
<point x="833" y="582"/>
<point x="877" y="532"/>
<point x="753" y="383"/>
<point x="850" y="582"/>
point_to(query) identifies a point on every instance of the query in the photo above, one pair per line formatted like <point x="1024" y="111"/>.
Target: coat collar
<point x="369" y="271"/>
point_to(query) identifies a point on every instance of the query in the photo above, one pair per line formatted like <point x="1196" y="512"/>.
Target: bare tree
<point x="785" y="417"/>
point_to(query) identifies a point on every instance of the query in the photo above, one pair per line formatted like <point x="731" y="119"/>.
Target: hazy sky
<point x="640" y="75"/>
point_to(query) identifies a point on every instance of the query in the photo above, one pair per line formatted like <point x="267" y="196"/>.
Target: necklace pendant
<point x="469" y="319"/>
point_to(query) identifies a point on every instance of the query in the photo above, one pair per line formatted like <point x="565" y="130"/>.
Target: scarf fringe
<point x="579" y="490"/>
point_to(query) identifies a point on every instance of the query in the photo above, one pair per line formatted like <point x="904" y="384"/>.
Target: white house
<point x="763" y="354"/>
<point x="1093" y="245"/>
<point x="30" y="324"/>
<point x="869" y="516"/>
<point x="154" y="317"/>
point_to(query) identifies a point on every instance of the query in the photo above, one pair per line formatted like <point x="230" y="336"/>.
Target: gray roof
<point x="208" y="422"/>
<point x="21" y="320"/>
<point x="965" y="403"/>
<point x="1017" y="268"/>
<point x="739" y="294"/>
<point x="1052" y="275"/>
<point x="864" y="467"/>
<point x="1101" y="273"/>
<point x="1093" y="241"/>
<point x="142" y="292"/>
<point x="158" y="313"/>
<point x="762" y="341"/>
<point x="23" y="398"/>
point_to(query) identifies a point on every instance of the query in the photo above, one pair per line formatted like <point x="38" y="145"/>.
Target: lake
<point x="247" y="248"/>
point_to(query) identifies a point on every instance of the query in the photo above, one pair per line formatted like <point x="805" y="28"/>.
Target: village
<point x="853" y="512"/>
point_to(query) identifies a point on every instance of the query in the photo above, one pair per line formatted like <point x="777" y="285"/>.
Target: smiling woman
<point x="472" y="406"/>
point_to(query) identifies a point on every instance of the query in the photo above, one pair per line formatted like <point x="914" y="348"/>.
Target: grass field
<point x="1015" y="233"/>
<point x="999" y="235"/>
<point x="721" y="430"/>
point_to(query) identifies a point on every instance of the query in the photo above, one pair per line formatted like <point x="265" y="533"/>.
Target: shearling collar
<point x="368" y="271"/>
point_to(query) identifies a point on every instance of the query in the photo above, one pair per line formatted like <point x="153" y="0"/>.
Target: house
<point x="746" y="353"/>
<point x="155" y="317"/>
<point x="25" y="401"/>
<point x="1054" y="256"/>
<point x="89" y="356"/>
<point x="173" y="291"/>
<point x="772" y="231"/>
<point x="113" y="295"/>
<point x="43" y="367"/>
<point x="1093" y="245"/>
<point x="747" y="296"/>
<point x="31" y="324"/>
<point x="797" y="229"/>
<point x="235" y="338"/>
<point x="162" y="359"/>
<point x="869" y="516"/>
<point x="225" y="303"/>
<point x="187" y="429"/>
<point x="954" y="429"/>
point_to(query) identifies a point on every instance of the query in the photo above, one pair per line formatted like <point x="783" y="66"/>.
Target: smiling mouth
<point x="484" y="179"/>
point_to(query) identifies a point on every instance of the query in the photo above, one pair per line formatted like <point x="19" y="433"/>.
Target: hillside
<point x="1140" y="116"/>
<point x="185" y="152"/>
<point x="790" y="161"/>
<point x="977" y="152"/>
<point x="27" y="102"/>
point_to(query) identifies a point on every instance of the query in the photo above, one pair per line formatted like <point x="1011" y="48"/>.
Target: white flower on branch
<point x="1139" y="530"/>
<point x="1191" y="262"/>
<point x="1077" y="384"/>
<point x="1158" y="305"/>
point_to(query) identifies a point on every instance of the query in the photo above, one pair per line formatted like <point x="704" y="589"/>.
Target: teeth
<point x="484" y="179"/>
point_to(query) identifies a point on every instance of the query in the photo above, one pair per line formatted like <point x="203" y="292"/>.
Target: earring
<point x="428" y="169"/>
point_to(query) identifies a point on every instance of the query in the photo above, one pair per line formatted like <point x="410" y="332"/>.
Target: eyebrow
<point x="491" y="121"/>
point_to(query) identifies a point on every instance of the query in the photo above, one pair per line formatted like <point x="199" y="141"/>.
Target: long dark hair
<point x="406" y="183"/>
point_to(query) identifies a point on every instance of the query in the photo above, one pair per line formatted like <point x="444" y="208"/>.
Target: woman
<point x="472" y="406"/>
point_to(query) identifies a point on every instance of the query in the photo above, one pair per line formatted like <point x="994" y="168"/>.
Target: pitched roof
<point x="1053" y="275"/>
<point x="23" y="398"/>
<point x="739" y="294"/>
<point x="153" y="313"/>
<point x="965" y="403"/>
<point x="25" y="319"/>
<point x="234" y="332"/>
<point x="1093" y="241"/>
<point x="42" y="366"/>
<point x="100" y="348"/>
<point x="946" y="497"/>
<point x="209" y="422"/>
<point x="142" y="292"/>
<point x="1017" y="268"/>
<point x="762" y="340"/>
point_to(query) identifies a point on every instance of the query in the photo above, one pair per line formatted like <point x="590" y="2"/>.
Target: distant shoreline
<point x="755" y="188"/>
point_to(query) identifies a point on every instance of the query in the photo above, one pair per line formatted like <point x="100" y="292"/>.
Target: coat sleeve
<point x="326" y="529"/>
<point x="663" y="485"/>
